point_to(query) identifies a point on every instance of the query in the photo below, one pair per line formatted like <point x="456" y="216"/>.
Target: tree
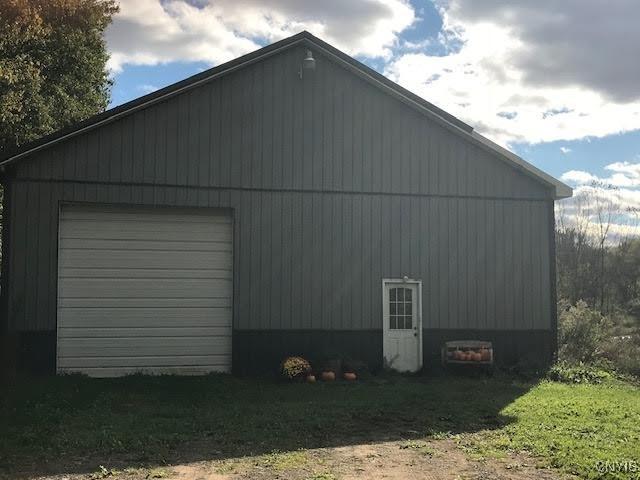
<point x="52" y="66"/>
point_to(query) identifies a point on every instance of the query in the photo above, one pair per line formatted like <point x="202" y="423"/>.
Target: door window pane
<point x="400" y="308"/>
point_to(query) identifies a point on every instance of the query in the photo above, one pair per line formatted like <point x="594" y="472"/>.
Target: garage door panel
<point x="106" y="372"/>
<point x="144" y="289"/>
<point x="140" y="230"/>
<point x="143" y="346"/>
<point x="212" y="273"/>
<point x="142" y="362"/>
<point x="140" y="233"/>
<point x="89" y="303"/>
<point x="141" y="214"/>
<point x="145" y="245"/>
<point x="144" y="259"/>
<point x="145" y="317"/>
<point x="119" y="332"/>
<point x="144" y="350"/>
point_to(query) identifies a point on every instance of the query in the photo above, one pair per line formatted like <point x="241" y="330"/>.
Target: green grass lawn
<point x="155" y="420"/>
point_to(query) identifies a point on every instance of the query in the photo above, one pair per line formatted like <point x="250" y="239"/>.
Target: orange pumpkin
<point x="458" y="355"/>
<point x="311" y="378"/>
<point x="477" y="356"/>
<point x="349" y="376"/>
<point x="328" y="376"/>
<point x="485" y="355"/>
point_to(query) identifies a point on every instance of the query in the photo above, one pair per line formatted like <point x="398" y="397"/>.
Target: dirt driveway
<point x="395" y="460"/>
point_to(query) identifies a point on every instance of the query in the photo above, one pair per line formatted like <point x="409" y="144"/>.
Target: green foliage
<point x="582" y="332"/>
<point x="151" y="419"/>
<point x="295" y="367"/>
<point x="581" y="373"/>
<point x="52" y="65"/>
<point x="589" y="340"/>
<point x="623" y="353"/>
<point x="573" y="427"/>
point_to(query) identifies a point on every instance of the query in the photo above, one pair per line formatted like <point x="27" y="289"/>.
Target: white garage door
<point x="144" y="290"/>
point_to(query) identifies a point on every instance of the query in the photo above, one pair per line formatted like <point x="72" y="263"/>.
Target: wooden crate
<point x="461" y="351"/>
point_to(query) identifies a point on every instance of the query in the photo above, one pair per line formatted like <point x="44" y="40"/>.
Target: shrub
<point x="624" y="354"/>
<point x="295" y="367"/>
<point x="581" y="373"/>
<point x="582" y="333"/>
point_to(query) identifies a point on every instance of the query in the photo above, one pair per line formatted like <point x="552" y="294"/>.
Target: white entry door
<point x="402" y="319"/>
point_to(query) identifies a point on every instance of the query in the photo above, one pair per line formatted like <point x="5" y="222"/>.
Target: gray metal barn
<point x="262" y="208"/>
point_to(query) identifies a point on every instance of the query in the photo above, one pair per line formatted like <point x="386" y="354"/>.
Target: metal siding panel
<point x="43" y="253"/>
<point x="277" y="254"/>
<point x="18" y="232"/>
<point x="306" y="257"/>
<point x="386" y="151"/>
<point x="376" y="149"/>
<point x="314" y="280"/>
<point x="352" y="137"/>
<point x="286" y="250"/>
<point x="297" y="138"/>
<point x="357" y="280"/>
<point x="367" y="260"/>
<point x="547" y="263"/>
<point x="431" y="288"/>
<point x="268" y="161"/>
<point x="285" y="93"/>
<point x="337" y="260"/>
<point x="347" y="126"/>
<point x="30" y="293"/>
<point x="138" y="139"/>
<point x="328" y="116"/>
<point x="267" y="259"/>
<point x="297" y="253"/>
<point x="326" y="260"/>
<point x="317" y="102"/>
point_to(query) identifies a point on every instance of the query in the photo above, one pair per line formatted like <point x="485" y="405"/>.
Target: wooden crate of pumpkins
<point x="467" y="352"/>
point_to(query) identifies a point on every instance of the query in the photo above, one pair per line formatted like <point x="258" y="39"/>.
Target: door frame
<point x="385" y="299"/>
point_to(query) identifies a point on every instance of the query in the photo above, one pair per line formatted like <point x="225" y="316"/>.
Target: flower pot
<point x="311" y="379"/>
<point x="349" y="376"/>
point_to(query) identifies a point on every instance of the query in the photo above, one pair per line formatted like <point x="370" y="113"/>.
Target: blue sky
<point x="519" y="72"/>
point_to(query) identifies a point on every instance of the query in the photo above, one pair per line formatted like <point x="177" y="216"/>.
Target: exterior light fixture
<point x="309" y="63"/>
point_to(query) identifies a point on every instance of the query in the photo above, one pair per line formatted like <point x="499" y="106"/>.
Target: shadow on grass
<point x="74" y="424"/>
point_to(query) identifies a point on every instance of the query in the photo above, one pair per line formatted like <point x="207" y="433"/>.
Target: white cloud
<point x="625" y="174"/>
<point x="150" y="32"/>
<point x="628" y="169"/>
<point x="533" y="72"/>
<point x="147" y="88"/>
<point x="618" y="195"/>
<point x="578" y="177"/>
<point x="565" y="150"/>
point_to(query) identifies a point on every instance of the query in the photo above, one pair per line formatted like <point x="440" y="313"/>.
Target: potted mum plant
<point x="295" y="369"/>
